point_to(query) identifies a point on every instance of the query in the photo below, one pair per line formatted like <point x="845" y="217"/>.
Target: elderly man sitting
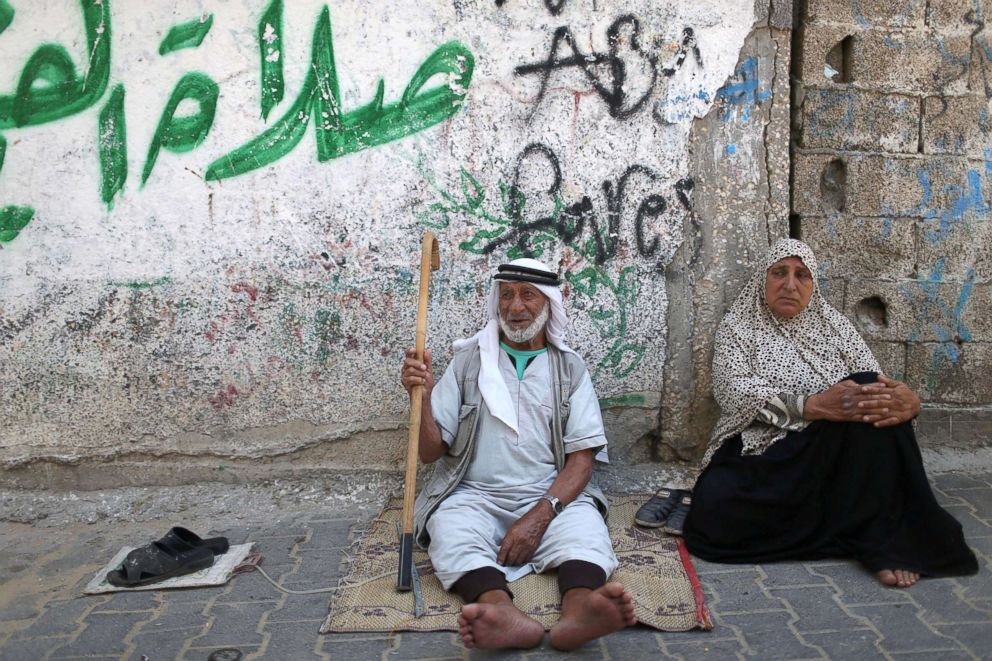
<point x="513" y="426"/>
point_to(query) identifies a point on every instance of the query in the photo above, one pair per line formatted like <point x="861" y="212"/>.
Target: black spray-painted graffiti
<point x="607" y="72"/>
<point x="554" y="6"/>
<point x="981" y="52"/>
<point x="607" y="298"/>
<point x="579" y="220"/>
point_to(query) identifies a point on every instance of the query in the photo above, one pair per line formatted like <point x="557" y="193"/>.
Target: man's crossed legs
<point x="466" y="532"/>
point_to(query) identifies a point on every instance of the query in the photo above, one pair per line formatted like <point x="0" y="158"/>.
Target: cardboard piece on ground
<point x="216" y="574"/>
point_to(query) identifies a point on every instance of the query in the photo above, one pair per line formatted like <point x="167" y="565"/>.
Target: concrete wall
<point x="739" y="153"/>
<point x="893" y="189"/>
<point x="210" y="212"/>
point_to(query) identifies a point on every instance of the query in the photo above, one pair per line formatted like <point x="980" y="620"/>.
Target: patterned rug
<point x="655" y="569"/>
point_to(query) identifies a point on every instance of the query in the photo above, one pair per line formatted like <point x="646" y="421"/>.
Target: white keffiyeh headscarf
<point x="758" y="356"/>
<point x="491" y="384"/>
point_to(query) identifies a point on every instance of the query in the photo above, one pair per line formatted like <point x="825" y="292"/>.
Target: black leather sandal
<point x="181" y="539"/>
<point x="676" y="521"/>
<point x="656" y="511"/>
<point x="156" y="562"/>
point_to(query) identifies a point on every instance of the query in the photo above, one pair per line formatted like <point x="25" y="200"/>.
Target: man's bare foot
<point x="589" y="614"/>
<point x="899" y="578"/>
<point x="498" y="626"/>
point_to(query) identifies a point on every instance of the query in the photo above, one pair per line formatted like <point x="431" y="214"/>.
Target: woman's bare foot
<point x="898" y="578"/>
<point x="588" y="614"/>
<point x="498" y="626"/>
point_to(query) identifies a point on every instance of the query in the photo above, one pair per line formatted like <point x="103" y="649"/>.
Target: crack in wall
<point x="769" y="210"/>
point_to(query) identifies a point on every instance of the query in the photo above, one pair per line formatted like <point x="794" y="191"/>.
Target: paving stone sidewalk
<point x="811" y="610"/>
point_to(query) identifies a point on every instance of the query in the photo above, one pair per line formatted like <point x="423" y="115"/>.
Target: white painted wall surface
<point x="269" y="310"/>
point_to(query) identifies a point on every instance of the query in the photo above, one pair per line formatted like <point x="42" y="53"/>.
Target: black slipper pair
<point x="178" y="553"/>
<point x="667" y="509"/>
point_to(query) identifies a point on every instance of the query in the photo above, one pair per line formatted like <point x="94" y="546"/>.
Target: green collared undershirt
<point x="521" y="359"/>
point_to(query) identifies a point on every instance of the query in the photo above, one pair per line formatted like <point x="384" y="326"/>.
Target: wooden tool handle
<point x="429" y="259"/>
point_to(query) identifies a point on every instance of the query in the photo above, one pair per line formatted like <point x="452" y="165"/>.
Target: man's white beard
<point x="529" y="333"/>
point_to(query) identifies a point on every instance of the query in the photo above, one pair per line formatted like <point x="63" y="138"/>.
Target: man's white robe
<point x="509" y="472"/>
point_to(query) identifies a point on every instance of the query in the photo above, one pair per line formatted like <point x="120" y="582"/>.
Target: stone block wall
<point x="892" y="187"/>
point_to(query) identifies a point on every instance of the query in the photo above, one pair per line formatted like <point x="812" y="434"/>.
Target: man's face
<point x="788" y="287"/>
<point x="520" y="305"/>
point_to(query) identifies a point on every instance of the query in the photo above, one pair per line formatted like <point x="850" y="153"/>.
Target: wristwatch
<point x="555" y="503"/>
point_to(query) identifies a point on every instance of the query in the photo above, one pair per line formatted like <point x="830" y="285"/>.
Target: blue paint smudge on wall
<point x="962" y="201"/>
<point x="948" y="324"/>
<point x="937" y="223"/>
<point x="681" y="103"/>
<point x="745" y="93"/>
<point x="858" y="16"/>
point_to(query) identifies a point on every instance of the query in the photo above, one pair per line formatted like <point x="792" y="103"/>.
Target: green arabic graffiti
<point x="183" y="133"/>
<point x="49" y="88"/>
<point x="374" y="124"/>
<point x="12" y="218"/>
<point x="610" y="321"/>
<point x="112" y="143"/>
<point x="6" y="15"/>
<point x="186" y="35"/>
<point x="270" y="50"/>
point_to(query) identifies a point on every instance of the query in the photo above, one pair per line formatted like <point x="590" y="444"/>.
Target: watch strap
<point x="556" y="505"/>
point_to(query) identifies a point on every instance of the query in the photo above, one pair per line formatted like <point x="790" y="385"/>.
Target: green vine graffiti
<point x="588" y="284"/>
<point x="270" y="52"/>
<point x="186" y="35"/>
<point x="622" y="357"/>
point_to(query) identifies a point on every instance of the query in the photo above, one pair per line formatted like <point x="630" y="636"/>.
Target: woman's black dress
<point x="834" y="489"/>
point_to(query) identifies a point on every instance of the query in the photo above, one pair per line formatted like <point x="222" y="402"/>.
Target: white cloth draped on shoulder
<point x="491" y="384"/>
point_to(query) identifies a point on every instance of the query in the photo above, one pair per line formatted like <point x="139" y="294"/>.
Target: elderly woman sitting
<point x="814" y="454"/>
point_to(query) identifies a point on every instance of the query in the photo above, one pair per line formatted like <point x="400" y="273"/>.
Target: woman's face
<point x="788" y="287"/>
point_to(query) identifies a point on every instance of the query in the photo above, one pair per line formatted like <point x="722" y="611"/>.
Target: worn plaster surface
<point x="212" y="210"/>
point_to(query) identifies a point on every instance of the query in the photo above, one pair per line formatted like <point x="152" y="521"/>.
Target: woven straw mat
<point x="655" y="569"/>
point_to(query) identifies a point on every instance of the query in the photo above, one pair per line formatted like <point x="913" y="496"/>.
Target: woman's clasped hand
<point x="883" y="404"/>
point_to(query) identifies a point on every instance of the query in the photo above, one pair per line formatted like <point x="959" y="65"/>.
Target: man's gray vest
<point x="567" y="370"/>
